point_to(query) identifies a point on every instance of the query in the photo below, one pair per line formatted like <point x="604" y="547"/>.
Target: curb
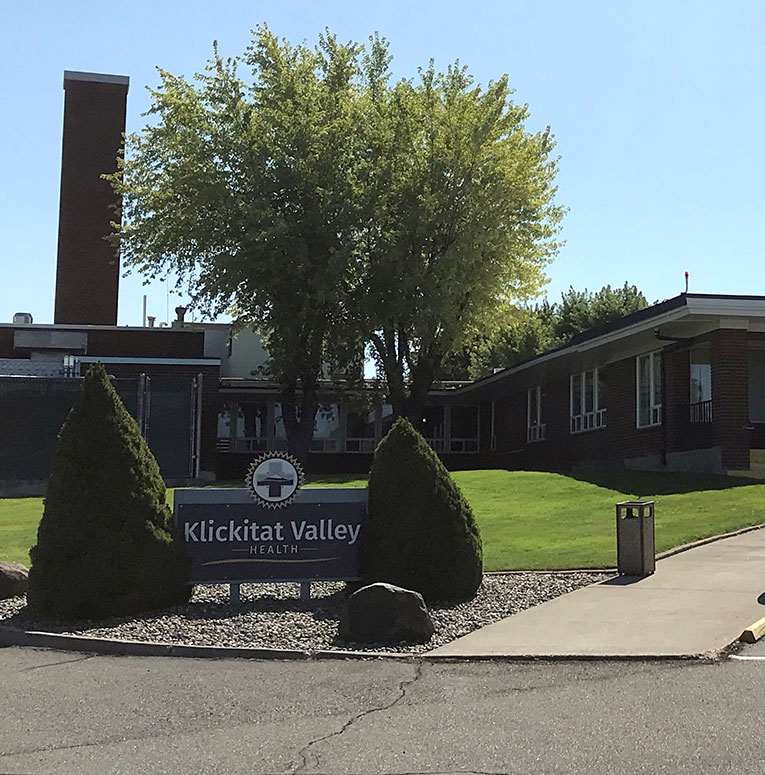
<point x="709" y="540"/>
<point x="12" y="636"/>
<point x="753" y="632"/>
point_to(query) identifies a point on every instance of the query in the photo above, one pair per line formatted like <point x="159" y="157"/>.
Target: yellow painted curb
<point x="754" y="631"/>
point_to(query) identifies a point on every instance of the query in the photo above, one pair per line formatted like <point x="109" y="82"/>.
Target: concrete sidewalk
<point x="696" y="603"/>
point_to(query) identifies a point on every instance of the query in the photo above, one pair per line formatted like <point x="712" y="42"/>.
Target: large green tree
<point x="464" y="226"/>
<point x="326" y="206"/>
<point x="245" y="184"/>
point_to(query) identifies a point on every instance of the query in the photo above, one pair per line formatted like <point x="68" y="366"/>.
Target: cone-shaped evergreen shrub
<point x="106" y="544"/>
<point x="420" y="533"/>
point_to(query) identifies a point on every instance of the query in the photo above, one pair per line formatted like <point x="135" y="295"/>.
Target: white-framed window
<point x="587" y="410"/>
<point x="535" y="429"/>
<point x="701" y="384"/>
<point x="649" y="389"/>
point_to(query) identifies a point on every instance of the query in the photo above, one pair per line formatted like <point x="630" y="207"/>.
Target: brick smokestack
<point x="87" y="271"/>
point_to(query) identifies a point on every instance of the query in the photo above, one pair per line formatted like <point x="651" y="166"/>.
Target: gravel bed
<point x="273" y="616"/>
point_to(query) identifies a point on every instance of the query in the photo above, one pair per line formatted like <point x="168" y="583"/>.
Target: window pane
<point x="701" y="382"/>
<point x="599" y="396"/>
<point x="589" y="392"/>
<point x="280" y="432"/>
<point x="576" y="395"/>
<point x="252" y="421"/>
<point x="657" y="379"/>
<point x="701" y="374"/>
<point x="757" y="385"/>
<point x="224" y="422"/>
<point x="433" y="422"/>
<point x="361" y="425"/>
<point x="326" y="424"/>
<point x="533" y="407"/>
<point x="644" y="390"/>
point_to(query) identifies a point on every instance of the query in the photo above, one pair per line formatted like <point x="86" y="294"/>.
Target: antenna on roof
<point x="686" y="281"/>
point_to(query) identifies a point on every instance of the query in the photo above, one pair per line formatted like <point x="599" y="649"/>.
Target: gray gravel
<point x="273" y="616"/>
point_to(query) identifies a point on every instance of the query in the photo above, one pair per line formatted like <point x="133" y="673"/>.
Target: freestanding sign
<point x="232" y="539"/>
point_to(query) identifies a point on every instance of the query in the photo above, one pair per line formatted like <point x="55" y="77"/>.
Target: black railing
<point x="701" y="411"/>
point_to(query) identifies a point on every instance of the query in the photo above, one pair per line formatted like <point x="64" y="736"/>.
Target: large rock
<point x="13" y="579"/>
<point x="383" y="613"/>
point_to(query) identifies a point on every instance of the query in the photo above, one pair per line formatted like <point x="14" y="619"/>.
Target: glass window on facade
<point x="701" y="375"/>
<point x="535" y="429"/>
<point x="252" y="421"/>
<point x="224" y="421"/>
<point x="360" y="431"/>
<point x="464" y="422"/>
<point x="326" y="424"/>
<point x="464" y="429"/>
<point x="361" y="425"/>
<point x="756" y="384"/>
<point x="280" y="431"/>
<point x="326" y="429"/>
<point x="433" y="422"/>
<point x="649" y="403"/>
<point x="701" y="384"/>
<point x="587" y="410"/>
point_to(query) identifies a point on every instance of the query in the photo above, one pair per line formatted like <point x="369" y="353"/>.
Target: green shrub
<point x="106" y="544"/>
<point x="420" y="533"/>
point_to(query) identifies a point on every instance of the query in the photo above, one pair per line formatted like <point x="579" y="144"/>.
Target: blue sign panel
<point x="231" y="539"/>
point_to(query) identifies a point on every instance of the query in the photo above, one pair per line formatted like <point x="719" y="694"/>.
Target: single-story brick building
<point x="677" y="386"/>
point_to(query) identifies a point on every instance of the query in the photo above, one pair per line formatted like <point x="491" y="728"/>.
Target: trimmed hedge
<point x="421" y="533"/>
<point x="106" y="544"/>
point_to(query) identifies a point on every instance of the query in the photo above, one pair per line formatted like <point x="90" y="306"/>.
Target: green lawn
<point x="532" y="520"/>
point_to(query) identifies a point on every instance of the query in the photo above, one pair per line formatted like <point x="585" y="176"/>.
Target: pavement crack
<point x="56" y="664"/>
<point x="306" y="753"/>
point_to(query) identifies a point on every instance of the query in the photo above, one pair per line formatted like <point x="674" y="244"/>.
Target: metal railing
<point x="589" y="421"/>
<point x="360" y="444"/>
<point x="701" y="411"/>
<point x="436" y="444"/>
<point x="535" y="432"/>
<point x="463" y="445"/>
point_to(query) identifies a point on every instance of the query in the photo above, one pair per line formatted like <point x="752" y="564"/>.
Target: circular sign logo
<point x="273" y="479"/>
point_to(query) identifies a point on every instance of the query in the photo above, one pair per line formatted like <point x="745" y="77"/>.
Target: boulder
<point x="13" y="579"/>
<point x="386" y="614"/>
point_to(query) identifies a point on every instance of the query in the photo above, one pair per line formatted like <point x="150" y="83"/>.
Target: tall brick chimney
<point x="87" y="270"/>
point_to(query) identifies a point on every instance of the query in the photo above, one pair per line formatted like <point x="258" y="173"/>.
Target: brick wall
<point x="609" y="446"/>
<point x="730" y="397"/>
<point x="87" y="276"/>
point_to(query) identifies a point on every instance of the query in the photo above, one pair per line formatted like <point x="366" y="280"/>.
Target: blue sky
<point x="657" y="108"/>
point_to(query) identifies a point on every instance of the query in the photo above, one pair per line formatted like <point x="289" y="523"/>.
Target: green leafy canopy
<point x="300" y="189"/>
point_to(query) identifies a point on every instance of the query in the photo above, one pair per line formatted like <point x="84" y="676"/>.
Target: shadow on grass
<point x="647" y="483"/>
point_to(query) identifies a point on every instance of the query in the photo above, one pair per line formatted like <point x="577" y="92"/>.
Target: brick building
<point x="677" y="386"/>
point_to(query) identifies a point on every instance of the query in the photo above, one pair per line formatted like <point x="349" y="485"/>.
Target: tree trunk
<point x="422" y="379"/>
<point x="299" y="417"/>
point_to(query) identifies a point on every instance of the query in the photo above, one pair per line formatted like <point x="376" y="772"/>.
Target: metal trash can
<point x="635" y="545"/>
